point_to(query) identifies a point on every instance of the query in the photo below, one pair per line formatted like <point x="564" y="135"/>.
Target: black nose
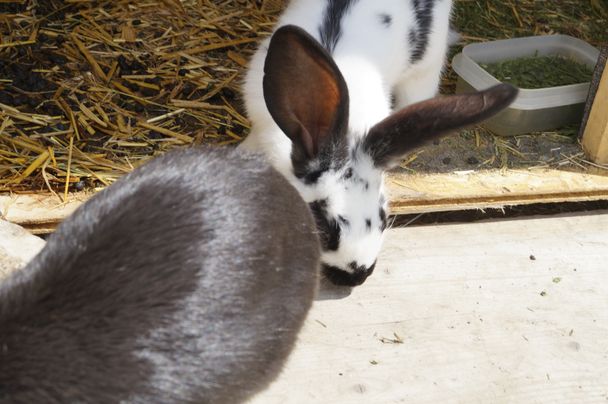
<point x="355" y="277"/>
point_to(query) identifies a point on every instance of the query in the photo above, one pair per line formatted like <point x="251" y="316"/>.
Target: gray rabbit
<point x="186" y="281"/>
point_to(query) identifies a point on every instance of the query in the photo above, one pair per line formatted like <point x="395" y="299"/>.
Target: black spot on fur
<point x="370" y="270"/>
<point x="348" y="174"/>
<point x="419" y="37"/>
<point x="329" y="229"/>
<point x="386" y="19"/>
<point x="368" y="224"/>
<point x="320" y="206"/>
<point x="331" y="29"/>
<point x="393" y="101"/>
<point x="333" y="156"/>
<point x="413" y="40"/>
<point x="312" y="177"/>
<point x="382" y="219"/>
<point x="302" y="170"/>
<point x="341" y="277"/>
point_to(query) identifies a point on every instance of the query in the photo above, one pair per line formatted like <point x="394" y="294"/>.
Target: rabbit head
<point x="339" y="173"/>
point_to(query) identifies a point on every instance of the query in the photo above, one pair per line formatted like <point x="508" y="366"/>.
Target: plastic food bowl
<point x="534" y="110"/>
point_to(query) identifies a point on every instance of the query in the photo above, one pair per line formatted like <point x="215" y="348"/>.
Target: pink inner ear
<point x="317" y="103"/>
<point x="304" y="90"/>
<point x="307" y="141"/>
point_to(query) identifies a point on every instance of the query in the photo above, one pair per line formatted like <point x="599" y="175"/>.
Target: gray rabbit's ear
<point x="305" y="92"/>
<point x="388" y="141"/>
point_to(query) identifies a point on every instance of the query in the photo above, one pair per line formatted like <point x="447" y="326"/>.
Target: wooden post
<point x="595" y="135"/>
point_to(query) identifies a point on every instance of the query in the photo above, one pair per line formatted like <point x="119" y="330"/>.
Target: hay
<point x="90" y="89"/>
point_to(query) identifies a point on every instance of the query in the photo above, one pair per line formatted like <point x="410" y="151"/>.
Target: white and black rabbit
<point x="328" y="77"/>
<point x="180" y="283"/>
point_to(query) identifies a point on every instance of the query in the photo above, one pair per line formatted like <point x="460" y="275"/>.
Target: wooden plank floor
<point x="461" y="313"/>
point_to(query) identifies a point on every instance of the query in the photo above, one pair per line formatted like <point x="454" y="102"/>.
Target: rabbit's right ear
<point x="304" y="91"/>
<point x="389" y="140"/>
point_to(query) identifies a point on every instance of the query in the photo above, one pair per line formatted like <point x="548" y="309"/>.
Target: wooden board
<point x="420" y="193"/>
<point x="595" y="137"/>
<point x="17" y="246"/>
<point x="467" y="303"/>
<point x="416" y="193"/>
<point x="39" y="213"/>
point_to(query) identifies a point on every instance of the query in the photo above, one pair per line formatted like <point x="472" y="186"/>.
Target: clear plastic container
<point x="533" y="110"/>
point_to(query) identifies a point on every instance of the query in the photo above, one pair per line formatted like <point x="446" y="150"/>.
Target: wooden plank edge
<point x="420" y="193"/>
<point x="404" y="207"/>
<point x="40" y="213"/>
<point x="408" y="194"/>
<point x="602" y="60"/>
<point x="595" y="134"/>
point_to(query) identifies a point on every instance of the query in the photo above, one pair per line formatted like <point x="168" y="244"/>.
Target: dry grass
<point x="89" y="89"/>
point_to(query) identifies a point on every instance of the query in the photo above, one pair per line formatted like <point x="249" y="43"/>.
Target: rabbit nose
<point x="356" y="275"/>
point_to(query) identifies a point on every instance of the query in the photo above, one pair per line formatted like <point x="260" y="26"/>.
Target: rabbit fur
<point x="179" y="283"/>
<point x="332" y="72"/>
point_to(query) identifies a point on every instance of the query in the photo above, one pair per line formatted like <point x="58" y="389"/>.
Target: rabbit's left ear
<point x="388" y="141"/>
<point x="305" y="92"/>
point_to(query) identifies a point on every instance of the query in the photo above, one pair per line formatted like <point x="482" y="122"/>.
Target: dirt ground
<point x="478" y="149"/>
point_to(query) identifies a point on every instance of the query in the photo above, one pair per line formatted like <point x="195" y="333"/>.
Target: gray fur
<point x="179" y="283"/>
